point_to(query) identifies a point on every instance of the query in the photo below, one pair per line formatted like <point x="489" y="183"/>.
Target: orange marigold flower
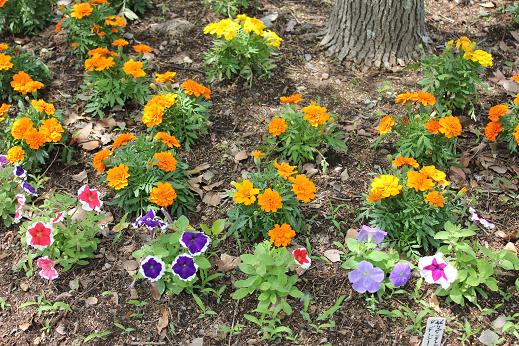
<point x="142" y="48"/>
<point x="4" y="108"/>
<point x="433" y="126"/>
<point x="58" y="26"/>
<point x="134" y="68"/>
<point x="284" y="169"/>
<point x="281" y="235"/>
<point x="99" y="160"/>
<point x="155" y="107"/>
<point x="15" y="154"/>
<point x="34" y="138"/>
<point x="435" y="174"/>
<point x="316" y="115"/>
<point x="270" y="201"/>
<point x="43" y="107"/>
<point x="99" y="2"/>
<point x="3" y="46"/>
<point x="81" y="10"/>
<point x="303" y="188"/>
<point x="117" y="177"/>
<point x="170" y="141"/>
<point x="165" y="161"/>
<point x="425" y="98"/>
<point x="375" y="195"/>
<point x="384" y="186"/>
<point x="193" y="88"/>
<point x="20" y="127"/>
<point x="5" y="62"/>
<point x="122" y="140"/>
<point x="115" y="21"/>
<point x="102" y="51"/>
<point x="492" y="130"/>
<point x="497" y="111"/>
<point x="24" y="84"/>
<point x="515" y="78"/>
<point x="257" y="154"/>
<point x="52" y="130"/>
<point x="277" y="126"/>
<point x="450" y="126"/>
<point x="405" y="98"/>
<point x="386" y="124"/>
<point x="419" y="181"/>
<point x="434" y="198"/>
<point x="405" y="161"/>
<point x="168" y="76"/>
<point x="292" y="99"/>
<point x="245" y="192"/>
<point x="99" y="62"/>
<point x="96" y="29"/>
<point x="163" y="195"/>
<point x="516" y="134"/>
<point x="120" y="42"/>
<point x="516" y="100"/>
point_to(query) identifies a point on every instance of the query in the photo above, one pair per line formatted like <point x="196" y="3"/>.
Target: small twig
<point x="147" y="343"/>
<point x="50" y="165"/>
<point x="233" y="320"/>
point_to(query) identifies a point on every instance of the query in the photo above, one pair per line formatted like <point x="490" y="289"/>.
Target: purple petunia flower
<point x="19" y="172"/>
<point x="400" y="274"/>
<point x="368" y="234"/>
<point x="195" y="242"/>
<point x="28" y="188"/>
<point x="3" y="161"/>
<point x="150" y="221"/>
<point x="152" y="268"/>
<point x="184" y="267"/>
<point x="366" y="277"/>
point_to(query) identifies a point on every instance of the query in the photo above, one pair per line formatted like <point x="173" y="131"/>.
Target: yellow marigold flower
<point x="246" y="192"/>
<point x="273" y="39"/>
<point x="316" y="115"/>
<point x="52" y="130"/>
<point x="227" y="28"/>
<point x="96" y="29"/>
<point x="99" y="62"/>
<point x="281" y="235"/>
<point x="5" y="62"/>
<point x="168" y="76"/>
<point x="465" y="44"/>
<point x="303" y="188"/>
<point x="250" y="24"/>
<point x="165" y="161"/>
<point x="4" y="108"/>
<point x="292" y="99"/>
<point x="120" y="42"/>
<point x="284" y="169"/>
<point x="386" y="125"/>
<point x="170" y="141"/>
<point x="20" y="127"/>
<point x="117" y="177"/>
<point x="375" y="195"/>
<point x="34" y="138"/>
<point x="492" y="130"/>
<point x="450" y="126"/>
<point x="43" y="107"/>
<point x="134" y="68"/>
<point x="24" y="84"/>
<point x="270" y="200"/>
<point x="425" y="98"/>
<point x="405" y="161"/>
<point x="163" y="195"/>
<point x="99" y="160"/>
<point x="433" y="126"/>
<point x="257" y="154"/>
<point x="498" y="111"/>
<point x="193" y="88"/>
<point x="419" y="181"/>
<point x="115" y="21"/>
<point x="153" y="114"/>
<point x="3" y="46"/>
<point x="122" y="140"/>
<point x="435" y="174"/>
<point x="15" y="154"/>
<point x="434" y="198"/>
<point x="384" y="186"/>
<point x="480" y="56"/>
<point x="516" y="134"/>
<point x="81" y="10"/>
<point x="277" y="126"/>
<point x="142" y="48"/>
<point x="515" y="78"/>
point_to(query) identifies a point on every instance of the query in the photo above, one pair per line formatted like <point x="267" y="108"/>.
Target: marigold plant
<point x="504" y="124"/>
<point x="299" y="134"/>
<point x="25" y="17"/>
<point x="145" y="171"/>
<point x="241" y="47"/>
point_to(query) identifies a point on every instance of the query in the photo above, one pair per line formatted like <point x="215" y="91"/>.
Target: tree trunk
<point x="375" y="32"/>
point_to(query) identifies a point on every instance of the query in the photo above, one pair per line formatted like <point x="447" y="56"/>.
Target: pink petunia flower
<point x="476" y="217"/>
<point x="20" y="202"/>
<point x="39" y="235"/>
<point x="301" y="257"/>
<point x="47" y="270"/>
<point x="89" y="198"/>
<point x="435" y="270"/>
<point x="59" y="217"/>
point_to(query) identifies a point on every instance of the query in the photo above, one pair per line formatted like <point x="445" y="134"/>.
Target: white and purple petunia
<point x="184" y="267"/>
<point x="150" y="221"/>
<point x="436" y="270"/>
<point x="28" y="188"/>
<point x="3" y="161"/>
<point x="476" y="217"/>
<point x="20" y="202"/>
<point x="19" y="172"/>
<point x="152" y="268"/>
<point x="195" y="242"/>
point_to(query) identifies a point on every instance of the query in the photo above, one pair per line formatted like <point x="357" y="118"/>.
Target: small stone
<point x="174" y="28"/>
<point x="488" y="337"/>
<point x="91" y="301"/>
<point x="499" y="322"/>
<point x="308" y="57"/>
<point x="344" y="175"/>
<point x="325" y="76"/>
<point x="24" y="286"/>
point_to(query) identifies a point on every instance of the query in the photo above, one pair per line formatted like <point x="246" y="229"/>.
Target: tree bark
<point x="375" y="32"/>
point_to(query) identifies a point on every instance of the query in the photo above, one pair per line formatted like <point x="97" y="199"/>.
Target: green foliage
<point x="476" y="264"/>
<point x="227" y="8"/>
<point x="135" y="6"/>
<point x="514" y="10"/>
<point x="267" y="275"/>
<point x="302" y="142"/>
<point x="25" y="16"/>
<point x="45" y="307"/>
<point x="7" y="195"/>
<point x="324" y="317"/>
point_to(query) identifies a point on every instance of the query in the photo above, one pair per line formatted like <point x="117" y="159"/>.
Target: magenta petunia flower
<point x="59" y="217"/>
<point x="477" y="217"/>
<point x="47" y="270"/>
<point x="301" y="257"/>
<point x="39" y="235"/>
<point x="20" y="202"/>
<point x="435" y="270"/>
<point x="89" y="198"/>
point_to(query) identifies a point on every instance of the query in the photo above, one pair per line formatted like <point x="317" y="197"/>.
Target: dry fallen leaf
<point x="82" y="135"/>
<point x="155" y="292"/>
<point x="511" y="247"/>
<point x="227" y="263"/>
<point x="199" y="168"/>
<point x="80" y="177"/>
<point x="91" y="301"/>
<point x="163" y="320"/>
<point x="212" y="198"/>
<point x="130" y="265"/>
<point x="435" y="303"/>
<point x="351" y="233"/>
<point x="91" y="145"/>
<point x="333" y="255"/>
<point x="240" y="156"/>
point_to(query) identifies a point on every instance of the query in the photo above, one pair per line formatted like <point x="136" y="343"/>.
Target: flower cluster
<point x="504" y="123"/>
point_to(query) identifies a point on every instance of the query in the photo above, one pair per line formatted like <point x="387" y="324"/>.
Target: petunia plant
<point x="299" y="134"/>
<point x="268" y="203"/>
<point x="144" y="170"/>
<point x="503" y="124"/>
<point x="174" y="261"/>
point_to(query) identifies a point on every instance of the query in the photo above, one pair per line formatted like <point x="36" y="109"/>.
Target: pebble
<point x="488" y="337"/>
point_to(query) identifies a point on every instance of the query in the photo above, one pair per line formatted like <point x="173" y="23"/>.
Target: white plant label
<point x="434" y="331"/>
